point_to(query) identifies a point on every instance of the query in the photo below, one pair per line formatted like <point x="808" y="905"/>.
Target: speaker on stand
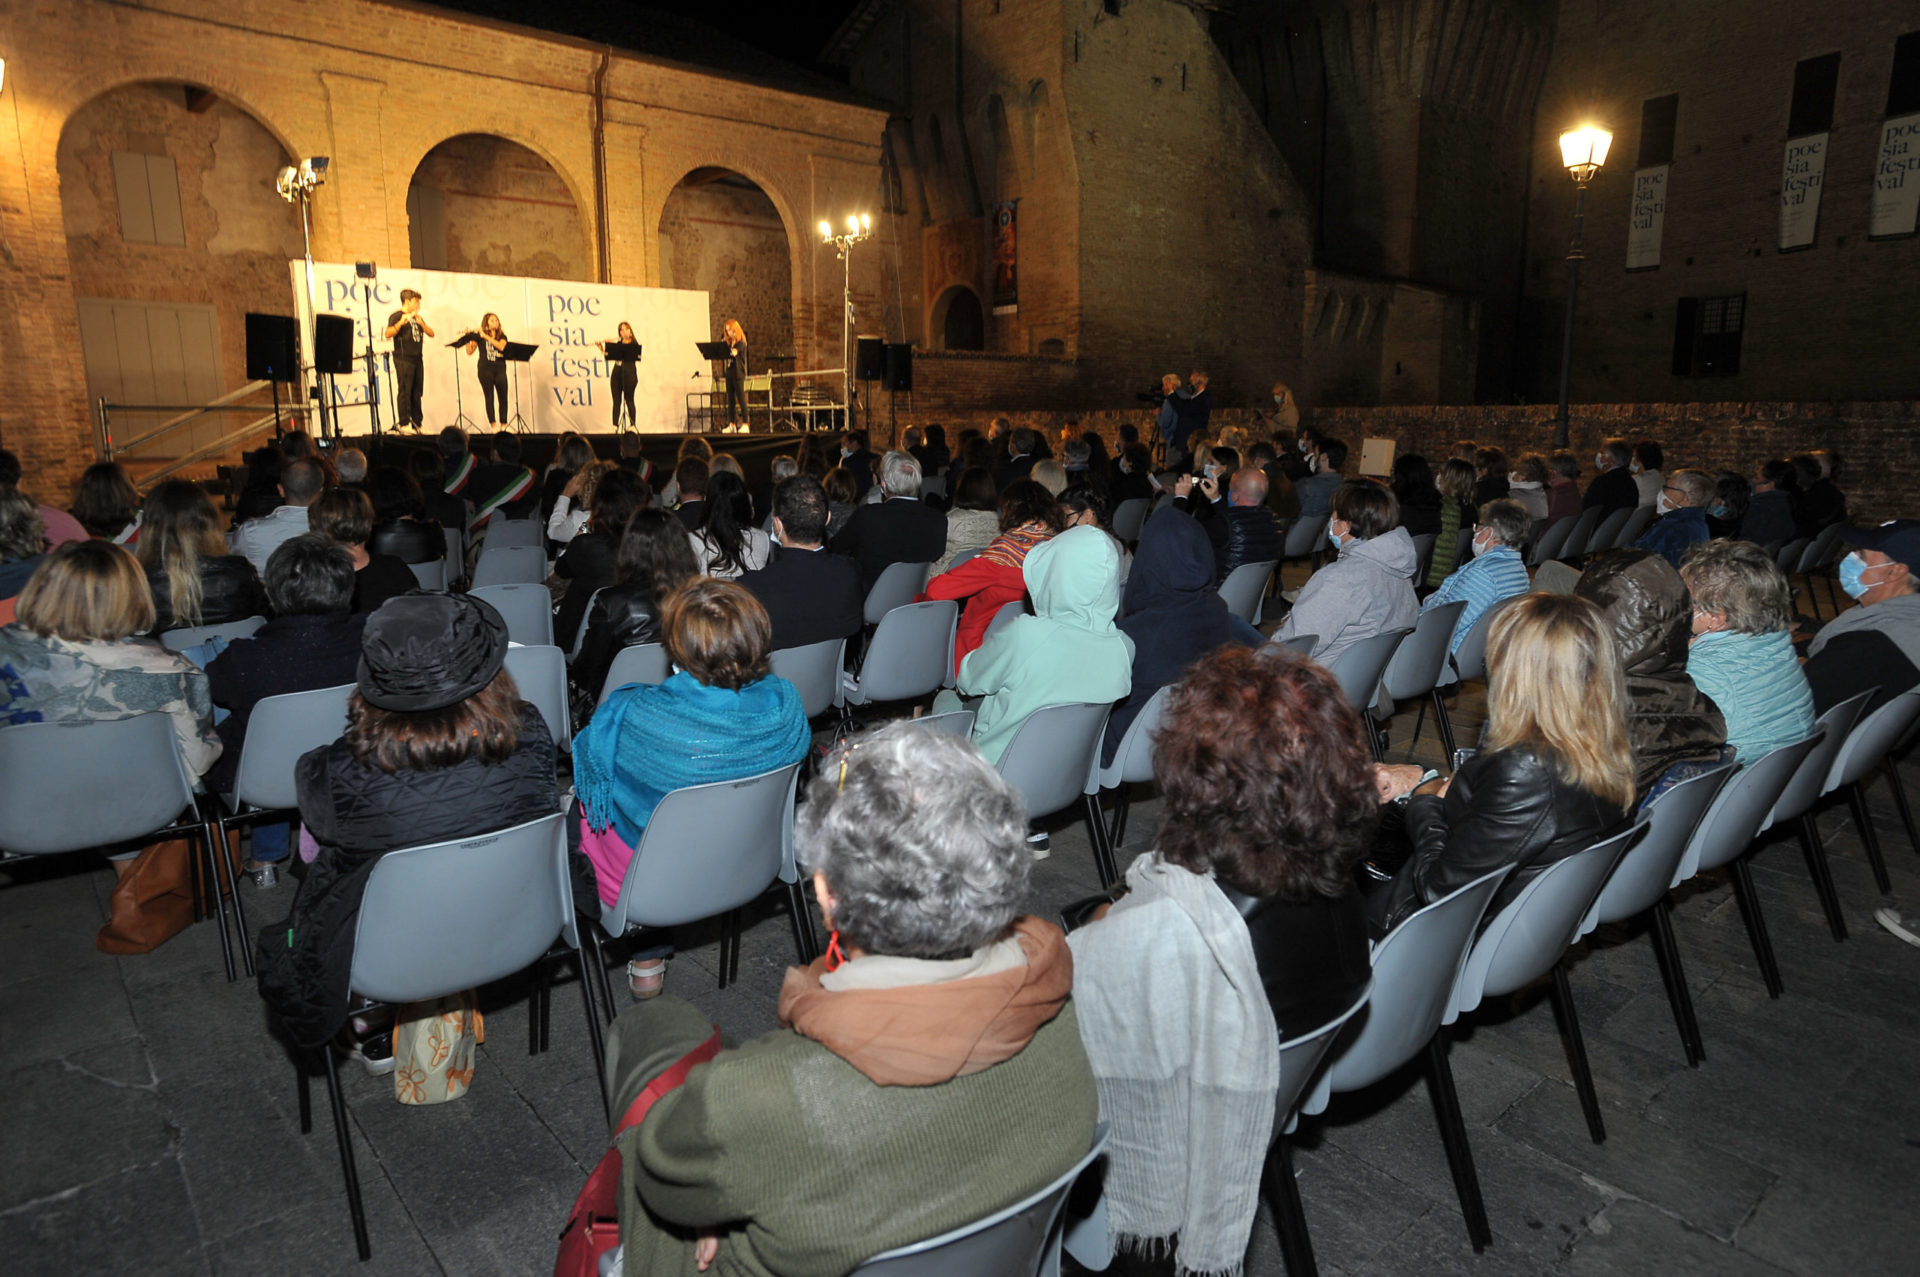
<point x="273" y="355"/>
<point x="332" y="356"/>
<point x="899" y="376"/>
<point x="869" y="366"/>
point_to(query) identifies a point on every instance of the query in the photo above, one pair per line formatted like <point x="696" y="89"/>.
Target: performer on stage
<point x="624" y="377"/>
<point x="736" y="370"/>
<point x="405" y="328"/>
<point x="493" y="365"/>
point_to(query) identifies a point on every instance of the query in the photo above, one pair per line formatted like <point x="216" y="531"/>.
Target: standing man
<point x="405" y="329"/>
<point x="1167" y="424"/>
<point x="1194" y="410"/>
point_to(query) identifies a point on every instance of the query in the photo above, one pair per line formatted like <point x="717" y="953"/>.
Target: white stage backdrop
<point x="563" y="387"/>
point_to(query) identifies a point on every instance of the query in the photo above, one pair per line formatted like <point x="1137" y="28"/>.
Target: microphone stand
<point x="373" y="376"/>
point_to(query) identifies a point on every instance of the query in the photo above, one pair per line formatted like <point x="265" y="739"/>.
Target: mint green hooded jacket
<point x="1069" y="650"/>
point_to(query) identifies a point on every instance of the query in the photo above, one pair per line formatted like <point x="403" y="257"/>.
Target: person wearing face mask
<point x="1317" y="489"/>
<point x="1741" y="653"/>
<point x="856" y="458"/>
<point x="1369" y="588"/>
<point x="1645" y="468"/>
<point x="1613" y="487"/>
<point x="1285" y="417"/>
<point x="1496" y="570"/>
<point x="1527" y="484"/>
<point x="1769" y="516"/>
<point x="1731" y="493"/>
<point x="1682" y="524"/>
<point x="1878" y="643"/>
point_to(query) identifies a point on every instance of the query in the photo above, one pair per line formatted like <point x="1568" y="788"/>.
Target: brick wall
<point x="728" y="240"/>
<point x="504" y="211"/>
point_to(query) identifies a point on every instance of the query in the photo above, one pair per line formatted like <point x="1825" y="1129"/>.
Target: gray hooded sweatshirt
<point x="1367" y="590"/>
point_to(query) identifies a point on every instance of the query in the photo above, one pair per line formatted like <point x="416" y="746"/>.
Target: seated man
<point x="1769" y="517"/>
<point x="301" y="482"/>
<point x="810" y="595"/>
<point x="1613" y="487"/>
<point x="1682" y="524"/>
<point x="503" y="484"/>
<point x="1316" y="490"/>
<point x="1495" y="572"/>
<point x="1245" y="531"/>
<point x="1878" y="643"/>
<point x="895" y="529"/>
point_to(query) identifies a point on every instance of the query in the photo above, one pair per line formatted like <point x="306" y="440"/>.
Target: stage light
<point x="826" y="232"/>
<point x="1584" y="150"/>
<point x="865" y="222"/>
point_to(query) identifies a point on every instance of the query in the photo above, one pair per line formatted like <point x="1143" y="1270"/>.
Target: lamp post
<point x="858" y="228"/>
<point x="1583" y="151"/>
<point x="296" y="186"/>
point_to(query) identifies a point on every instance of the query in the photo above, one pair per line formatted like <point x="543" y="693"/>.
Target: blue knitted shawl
<point x="648" y="739"/>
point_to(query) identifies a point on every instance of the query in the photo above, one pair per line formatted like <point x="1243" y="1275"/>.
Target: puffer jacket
<point x="618" y="616"/>
<point x="1757" y="682"/>
<point x="1508" y="807"/>
<point x="409" y="540"/>
<point x="230" y="590"/>
<point x="1367" y="590"/>
<point x="358" y="813"/>
<point x="1248" y="534"/>
<point x="1669" y="720"/>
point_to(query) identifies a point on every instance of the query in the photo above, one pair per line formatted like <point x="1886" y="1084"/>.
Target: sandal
<point x="645" y="979"/>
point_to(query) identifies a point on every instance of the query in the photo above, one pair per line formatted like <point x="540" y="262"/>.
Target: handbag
<point x="593" y="1226"/>
<point x="433" y="1046"/>
<point x="153" y="903"/>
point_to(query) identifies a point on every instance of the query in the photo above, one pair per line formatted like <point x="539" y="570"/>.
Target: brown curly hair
<point x="1266" y="775"/>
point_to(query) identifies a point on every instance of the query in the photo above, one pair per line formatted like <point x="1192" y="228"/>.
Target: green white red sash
<point x="457" y="481"/>
<point x="512" y="492"/>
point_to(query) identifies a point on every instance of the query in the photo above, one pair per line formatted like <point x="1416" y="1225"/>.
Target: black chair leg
<point x="536" y="1005"/>
<point x="1742" y="874"/>
<point x="1667" y="953"/>
<point x="1822" y="872"/>
<point x="217" y="834"/>
<point x="806" y="942"/>
<point x="1118" y="838"/>
<point x="208" y="834"/>
<point x="347" y="1171"/>
<point x="1900" y="802"/>
<point x="1097" y="833"/>
<point x="1373" y="735"/>
<point x="304" y="1090"/>
<point x="595" y="1036"/>
<point x="1870" y="837"/>
<point x="1282" y="1192"/>
<point x="1453" y="1134"/>
<point x="729" y="947"/>
<point x="1419" y="721"/>
<point x="1563" y="1010"/>
<point x="596" y="943"/>
<point x="1445" y="723"/>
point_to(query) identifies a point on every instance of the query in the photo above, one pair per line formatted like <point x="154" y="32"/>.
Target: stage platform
<point x="755" y="451"/>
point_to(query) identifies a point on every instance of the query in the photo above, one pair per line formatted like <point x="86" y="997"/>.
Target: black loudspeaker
<point x="332" y="344"/>
<point x="869" y="359"/>
<point x="271" y="355"/>
<point x="899" y="365"/>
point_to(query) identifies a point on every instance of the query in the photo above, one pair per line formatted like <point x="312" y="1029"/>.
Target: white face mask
<point x="1663" y="506"/>
<point x="1280" y="399"/>
<point x="1482" y="544"/>
<point x="1599" y="461"/>
<point x="1633" y="467"/>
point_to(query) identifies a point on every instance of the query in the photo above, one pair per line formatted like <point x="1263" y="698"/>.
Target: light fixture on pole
<point x="296" y="184"/>
<point x="859" y="227"/>
<point x="1583" y="151"/>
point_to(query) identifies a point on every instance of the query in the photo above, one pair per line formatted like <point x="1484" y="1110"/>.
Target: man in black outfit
<point x="1613" y="488"/>
<point x="896" y="529"/>
<point x="856" y="458"/>
<point x="810" y="595"/>
<point x="691" y="481"/>
<point x="503" y="484"/>
<point x="1020" y="459"/>
<point x="405" y="328"/>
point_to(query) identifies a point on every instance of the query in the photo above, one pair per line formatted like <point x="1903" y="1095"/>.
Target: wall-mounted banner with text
<point x="565" y="384"/>
<point x="1801" y="178"/>
<point x="1896" y="180"/>
<point x="1649" y="215"/>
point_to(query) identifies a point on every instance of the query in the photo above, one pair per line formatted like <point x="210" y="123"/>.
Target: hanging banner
<point x="564" y="386"/>
<point x="1800" y="182"/>
<point x="1896" y="182"/>
<point x="1649" y="216"/>
<point x="1006" y="259"/>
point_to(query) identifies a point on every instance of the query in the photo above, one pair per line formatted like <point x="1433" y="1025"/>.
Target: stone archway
<point x="721" y="232"/>
<point x="485" y="204"/>
<point x="959" y="323"/>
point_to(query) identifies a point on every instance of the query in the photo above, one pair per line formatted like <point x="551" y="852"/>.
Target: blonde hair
<point x="1050" y="475"/>
<point x="1554" y="687"/>
<point x="87" y="592"/>
<point x="590" y="476"/>
<point x="181" y="528"/>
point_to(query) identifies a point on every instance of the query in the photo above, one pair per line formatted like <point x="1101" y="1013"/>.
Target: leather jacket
<point x="1311" y="954"/>
<point x="409" y="540"/>
<point x="230" y="590"/>
<point x="621" y="615"/>
<point x="1508" y="807"/>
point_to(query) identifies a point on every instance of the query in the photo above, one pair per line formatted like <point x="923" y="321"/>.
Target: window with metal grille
<point x="1706" y="336"/>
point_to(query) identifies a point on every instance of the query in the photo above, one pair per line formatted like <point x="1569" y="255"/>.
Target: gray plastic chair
<point x="445" y="917"/>
<point x="1415" y="969"/>
<point x="431" y="576"/>
<point x="1548" y="545"/>
<point x="187" y="636"/>
<point x="894" y="588"/>
<point x="1866" y="750"/>
<point x="1607" y="532"/>
<point x="1129" y="517"/>
<point x="1787" y="557"/>
<point x="1306" y="536"/>
<point x="640" y="663"/>
<point x="1052" y="759"/>
<point x="1639" y="519"/>
<point x="933" y="485"/>
<point x="1803" y="791"/>
<point x="1581" y="533"/>
<point x="1301" y="643"/>
<point x="910" y="655"/>
<point x="1818" y="556"/>
<point x="1132" y="764"/>
<point x="1423" y="554"/>
<point x="1023" y="1240"/>
<point x="540" y="672"/>
<point x="1645" y="876"/>
<point x="1300" y="1060"/>
<point x="1725" y="833"/>
<point x="1414" y="672"/>
<point x="526" y="608"/>
<point x="1358" y="671"/>
<point x="955" y="722"/>
<point x="814" y="671"/>
<point x="707" y="851"/>
<point x="962" y="557"/>
<point x="503" y="533"/>
<point x="1007" y="615"/>
<point x="510" y="565"/>
<point x="1530" y="937"/>
<point x="1244" y="588"/>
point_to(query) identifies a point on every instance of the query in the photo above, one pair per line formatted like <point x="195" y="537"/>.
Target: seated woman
<point x="974" y="520"/>
<point x="1742" y="654"/>
<point x="943" y="1044"/>
<point x="1676" y="731"/>
<point x="71" y="655"/>
<point x="1457" y="506"/>
<point x="345" y="517"/>
<point x="843" y="490"/>
<point x="588" y="562"/>
<point x="401" y="527"/>
<point x="1269" y="797"/>
<point x="1419" y="498"/>
<point x="992" y="578"/>
<point x="1553" y="776"/>
<point x="653" y="560"/>
<point x="722" y="715"/>
<point x="575" y="502"/>
<point x="106" y="503"/>
<point x="1068" y="650"/>
<point x="438" y="746"/>
<point x="1172" y="612"/>
<point x="725" y="542"/>
<point x="194" y="581"/>
<point x="573" y="455"/>
<point x="23" y="544"/>
<point x="1368" y="589"/>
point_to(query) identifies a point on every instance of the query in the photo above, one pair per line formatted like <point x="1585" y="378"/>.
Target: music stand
<point x="715" y="352"/>
<point x="460" y="417"/>
<point x="517" y="353"/>
<point x="621" y="351"/>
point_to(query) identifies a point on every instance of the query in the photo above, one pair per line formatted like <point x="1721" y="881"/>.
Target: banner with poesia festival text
<point x="1896" y="179"/>
<point x="1802" y="176"/>
<point x="563" y="387"/>
<point x="1649" y="217"/>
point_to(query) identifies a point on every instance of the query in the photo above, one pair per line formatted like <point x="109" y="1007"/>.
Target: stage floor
<point x="755" y="451"/>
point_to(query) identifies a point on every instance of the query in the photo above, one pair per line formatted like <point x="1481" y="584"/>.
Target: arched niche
<point x="959" y="321"/>
<point x="485" y="204"/>
<point x="720" y="232"/>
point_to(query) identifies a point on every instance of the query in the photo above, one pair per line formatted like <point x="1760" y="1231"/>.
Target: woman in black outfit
<point x="400" y="524"/>
<point x="587" y="564"/>
<point x="193" y="577"/>
<point x="654" y="559"/>
<point x="1418" y="495"/>
<point x="493" y="364"/>
<point x="624" y="377"/>
<point x="736" y="369"/>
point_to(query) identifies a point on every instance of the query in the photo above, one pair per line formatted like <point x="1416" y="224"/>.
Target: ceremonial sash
<point x="457" y="482"/>
<point x="512" y="492"/>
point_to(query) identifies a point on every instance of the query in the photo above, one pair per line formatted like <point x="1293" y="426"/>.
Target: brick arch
<point x="584" y="208"/>
<point x="799" y="237"/>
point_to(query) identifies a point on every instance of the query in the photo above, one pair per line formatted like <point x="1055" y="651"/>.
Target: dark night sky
<point x="794" y="31"/>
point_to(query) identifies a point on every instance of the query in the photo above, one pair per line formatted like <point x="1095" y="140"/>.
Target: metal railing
<point x="188" y="415"/>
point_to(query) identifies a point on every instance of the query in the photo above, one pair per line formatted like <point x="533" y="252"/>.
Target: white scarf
<point x="1187" y="1059"/>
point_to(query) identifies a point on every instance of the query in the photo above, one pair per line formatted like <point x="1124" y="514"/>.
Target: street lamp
<point x="1583" y="151"/>
<point x="296" y="185"/>
<point x="859" y="227"/>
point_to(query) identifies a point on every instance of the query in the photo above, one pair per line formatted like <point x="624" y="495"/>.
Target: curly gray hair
<point x="900" y="475"/>
<point x="922" y="843"/>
